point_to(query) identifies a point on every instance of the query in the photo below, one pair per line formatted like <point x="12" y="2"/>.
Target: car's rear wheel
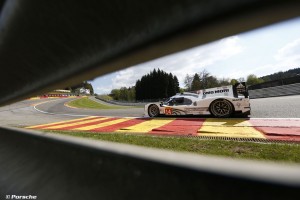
<point x="221" y="108"/>
<point x="153" y="110"/>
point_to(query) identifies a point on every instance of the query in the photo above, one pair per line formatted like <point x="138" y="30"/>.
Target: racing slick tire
<point x="221" y="108"/>
<point x="153" y="110"/>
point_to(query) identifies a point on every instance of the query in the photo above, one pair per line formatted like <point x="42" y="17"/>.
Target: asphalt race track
<point x="276" y="107"/>
<point x="37" y="114"/>
<point x="31" y="112"/>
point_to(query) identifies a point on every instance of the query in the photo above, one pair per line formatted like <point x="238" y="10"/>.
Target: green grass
<point x="105" y="97"/>
<point x="87" y="103"/>
<point x="233" y="149"/>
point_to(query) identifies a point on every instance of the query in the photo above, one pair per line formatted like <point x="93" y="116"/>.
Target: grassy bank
<point x="87" y="103"/>
<point x="233" y="149"/>
<point x="105" y="97"/>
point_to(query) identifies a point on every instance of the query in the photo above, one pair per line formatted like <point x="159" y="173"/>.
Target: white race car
<point x="220" y="102"/>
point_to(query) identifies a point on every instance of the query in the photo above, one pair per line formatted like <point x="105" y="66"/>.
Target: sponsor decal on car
<point x="240" y="99"/>
<point x="216" y="91"/>
<point x="168" y="111"/>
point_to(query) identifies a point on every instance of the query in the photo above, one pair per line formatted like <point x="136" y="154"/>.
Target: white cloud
<point x="289" y="54"/>
<point x="287" y="57"/>
<point x="186" y="62"/>
<point x="125" y="78"/>
<point x="103" y="89"/>
<point x="229" y="47"/>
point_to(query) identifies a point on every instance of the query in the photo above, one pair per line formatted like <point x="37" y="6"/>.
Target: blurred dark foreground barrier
<point x="61" y="167"/>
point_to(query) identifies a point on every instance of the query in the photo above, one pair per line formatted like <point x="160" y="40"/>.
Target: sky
<point x="261" y="52"/>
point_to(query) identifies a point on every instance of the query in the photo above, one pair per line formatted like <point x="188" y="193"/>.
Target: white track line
<point x="72" y="115"/>
<point x="49" y="113"/>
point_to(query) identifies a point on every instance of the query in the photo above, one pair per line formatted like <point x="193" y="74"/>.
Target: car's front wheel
<point x="221" y="108"/>
<point x="153" y="110"/>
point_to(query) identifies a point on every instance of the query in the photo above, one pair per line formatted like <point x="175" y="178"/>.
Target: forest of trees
<point x="203" y="80"/>
<point x="253" y="79"/>
<point x="156" y="85"/>
<point x="281" y="75"/>
<point x="123" y="94"/>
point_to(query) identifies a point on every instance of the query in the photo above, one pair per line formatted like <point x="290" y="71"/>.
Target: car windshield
<point x="176" y="101"/>
<point x="168" y="101"/>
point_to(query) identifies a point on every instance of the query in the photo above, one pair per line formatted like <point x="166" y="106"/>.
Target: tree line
<point x="204" y="80"/>
<point x="156" y="85"/>
<point x="281" y="75"/>
<point x="123" y="94"/>
<point x="253" y="79"/>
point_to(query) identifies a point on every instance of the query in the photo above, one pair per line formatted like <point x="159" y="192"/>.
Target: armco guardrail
<point x="284" y="90"/>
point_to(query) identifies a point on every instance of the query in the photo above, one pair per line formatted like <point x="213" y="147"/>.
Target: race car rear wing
<point x="240" y="88"/>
